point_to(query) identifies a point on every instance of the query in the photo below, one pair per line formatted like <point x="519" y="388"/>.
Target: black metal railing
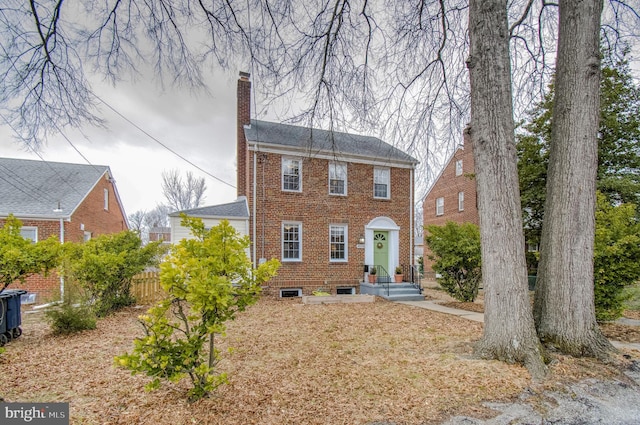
<point x="412" y="275"/>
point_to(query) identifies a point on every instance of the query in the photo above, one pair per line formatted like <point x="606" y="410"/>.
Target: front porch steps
<point x="397" y="291"/>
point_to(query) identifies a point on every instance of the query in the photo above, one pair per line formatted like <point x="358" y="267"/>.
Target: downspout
<point x="62" y="274"/>
<point x="253" y="214"/>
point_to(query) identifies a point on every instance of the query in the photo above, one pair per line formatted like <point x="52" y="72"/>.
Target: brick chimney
<point x="244" y="118"/>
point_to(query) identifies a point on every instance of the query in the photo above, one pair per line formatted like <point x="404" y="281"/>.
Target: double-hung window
<point x="381" y="183"/>
<point x="29" y="232"/>
<point x="440" y="206"/>
<point x="106" y="199"/>
<point x="337" y="178"/>
<point x="291" y="175"/>
<point x="338" y="242"/>
<point x="291" y="241"/>
<point x="459" y="167"/>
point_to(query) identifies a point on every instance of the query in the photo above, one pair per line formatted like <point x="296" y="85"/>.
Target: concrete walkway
<point x="479" y="317"/>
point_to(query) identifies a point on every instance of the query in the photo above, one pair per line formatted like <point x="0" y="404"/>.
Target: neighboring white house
<point x="237" y="213"/>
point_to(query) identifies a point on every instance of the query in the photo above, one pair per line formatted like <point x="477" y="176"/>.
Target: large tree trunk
<point x="509" y="332"/>
<point x="564" y="303"/>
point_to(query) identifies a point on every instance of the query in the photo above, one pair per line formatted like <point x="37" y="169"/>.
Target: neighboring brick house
<point x="452" y="197"/>
<point x="326" y="204"/>
<point x="160" y="234"/>
<point x="72" y="202"/>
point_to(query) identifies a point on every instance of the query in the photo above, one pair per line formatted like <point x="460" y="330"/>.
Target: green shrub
<point x="208" y="279"/>
<point x="616" y="257"/>
<point x="70" y="318"/>
<point x="105" y="265"/>
<point x="456" y="251"/>
<point x="74" y="314"/>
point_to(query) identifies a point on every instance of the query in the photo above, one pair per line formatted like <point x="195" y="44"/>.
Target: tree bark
<point x="509" y="332"/>
<point x="564" y="302"/>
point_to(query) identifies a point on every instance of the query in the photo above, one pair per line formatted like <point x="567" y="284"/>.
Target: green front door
<point x="381" y="250"/>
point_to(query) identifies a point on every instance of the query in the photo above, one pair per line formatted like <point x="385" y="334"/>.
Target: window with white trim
<point x="106" y="199"/>
<point x="291" y="241"/>
<point x="459" y="167"/>
<point x="291" y="174"/>
<point x="338" y="242"/>
<point x="381" y="183"/>
<point x="337" y="178"/>
<point x="460" y="201"/>
<point x="29" y="232"/>
<point x="440" y="206"/>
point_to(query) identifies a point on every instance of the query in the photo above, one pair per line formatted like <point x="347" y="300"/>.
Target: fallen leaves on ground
<point x="290" y="364"/>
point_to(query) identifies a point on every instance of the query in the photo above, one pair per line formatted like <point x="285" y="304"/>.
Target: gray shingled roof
<point x="31" y="188"/>
<point x="324" y="141"/>
<point x="236" y="209"/>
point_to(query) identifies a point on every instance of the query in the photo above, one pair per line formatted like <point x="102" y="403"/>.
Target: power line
<point x="160" y="143"/>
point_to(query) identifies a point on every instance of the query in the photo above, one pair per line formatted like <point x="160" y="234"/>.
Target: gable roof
<point x="235" y="209"/>
<point x="446" y="165"/>
<point x="317" y="142"/>
<point x="30" y="188"/>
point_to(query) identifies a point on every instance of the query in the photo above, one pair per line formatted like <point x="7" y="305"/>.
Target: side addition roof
<point x="316" y="142"/>
<point x="237" y="209"/>
<point x="33" y="189"/>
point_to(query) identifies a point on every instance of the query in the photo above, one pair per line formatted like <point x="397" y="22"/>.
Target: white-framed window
<point x="106" y="199"/>
<point x="460" y="201"/>
<point x="29" y="232"/>
<point x="291" y="175"/>
<point x="338" y="237"/>
<point x="337" y="178"/>
<point x="459" y="167"/>
<point x="87" y="236"/>
<point x="532" y="247"/>
<point x="440" y="206"/>
<point x="291" y="241"/>
<point x="381" y="183"/>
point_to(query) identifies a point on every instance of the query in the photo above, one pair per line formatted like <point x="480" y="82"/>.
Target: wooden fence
<point x="145" y="287"/>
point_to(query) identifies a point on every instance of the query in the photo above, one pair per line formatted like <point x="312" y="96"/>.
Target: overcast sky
<point x="198" y="126"/>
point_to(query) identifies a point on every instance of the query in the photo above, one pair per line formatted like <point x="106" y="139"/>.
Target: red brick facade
<point x="315" y="210"/>
<point x="243" y="118"/>
<point x="447" y="187"/>
<point x="90" y="218"/>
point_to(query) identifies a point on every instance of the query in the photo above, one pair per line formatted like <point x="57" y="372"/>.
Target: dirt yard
<point x="288" y="364"/>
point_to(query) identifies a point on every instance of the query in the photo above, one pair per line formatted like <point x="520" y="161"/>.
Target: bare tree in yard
<point x="182" y="194"/>
<point x="355" y="61"/>
<point x="509" y="332"/>
<point x="564" y="301"/>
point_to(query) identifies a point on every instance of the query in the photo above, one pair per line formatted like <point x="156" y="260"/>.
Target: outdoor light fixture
<point x="361" y="240"/>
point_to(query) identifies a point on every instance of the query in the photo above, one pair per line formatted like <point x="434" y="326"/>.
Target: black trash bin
<point x="10" y="316"/>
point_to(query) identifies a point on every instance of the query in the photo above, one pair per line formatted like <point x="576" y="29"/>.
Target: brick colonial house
<point x="452" y="197"/>
<point x="328" y="205"/>
<point x="73" y="202"/>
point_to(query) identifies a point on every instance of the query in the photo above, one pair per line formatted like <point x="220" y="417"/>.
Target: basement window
<point x="346" y="291"/>
<point x="290" y="292"/>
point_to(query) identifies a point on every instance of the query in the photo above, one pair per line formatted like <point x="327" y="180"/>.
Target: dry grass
<point x="290" y="364"/>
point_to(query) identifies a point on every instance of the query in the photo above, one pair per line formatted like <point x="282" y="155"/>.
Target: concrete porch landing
<point x="397" y="291"/>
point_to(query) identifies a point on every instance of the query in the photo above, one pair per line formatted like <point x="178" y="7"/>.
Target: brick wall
<point x="92" y="215"/>
<point x="243" y="118"/>
<point x="448" y="186"/>
<point x="316" y="209"/>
